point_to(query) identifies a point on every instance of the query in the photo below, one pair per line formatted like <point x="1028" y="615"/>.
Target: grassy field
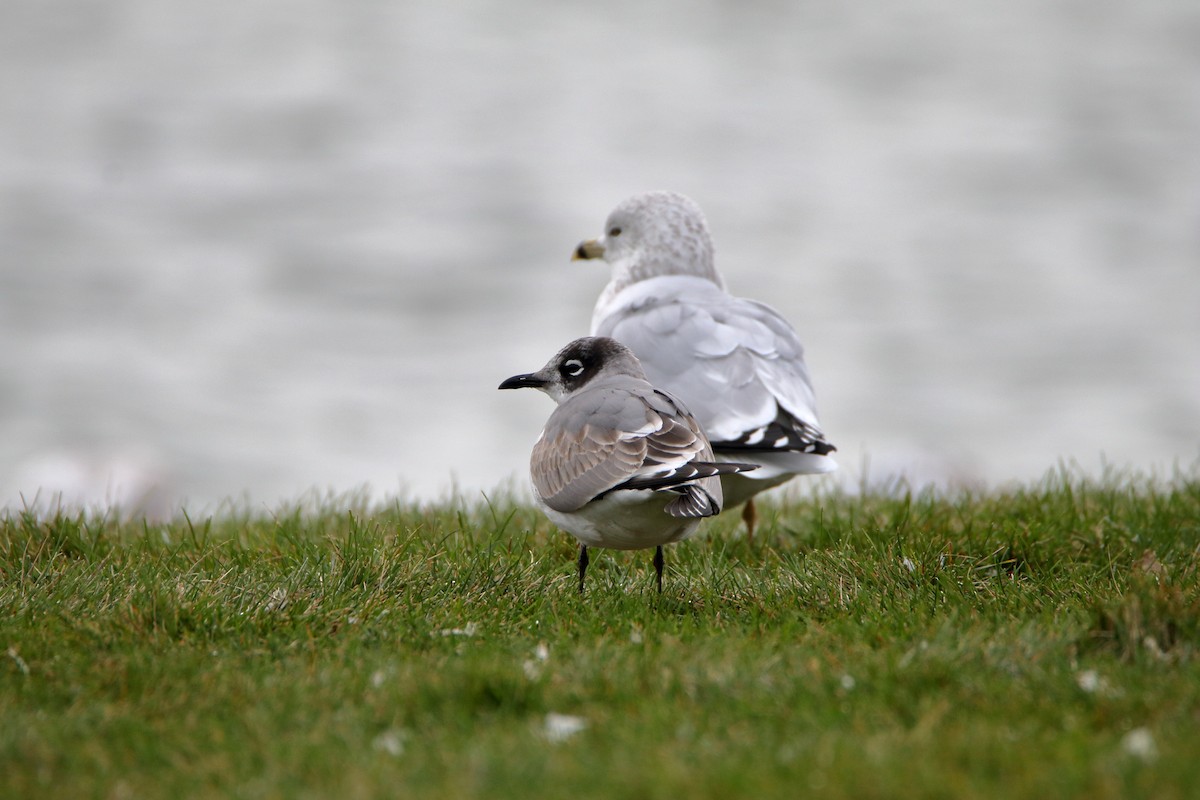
<point x="1038" y="642"/>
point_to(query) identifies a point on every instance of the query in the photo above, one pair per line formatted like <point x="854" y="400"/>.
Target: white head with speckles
<point x="653" y="234"/>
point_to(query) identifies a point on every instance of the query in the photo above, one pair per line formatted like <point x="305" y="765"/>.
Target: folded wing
<point x="626" y="436"/>
<point x="738" y="364"/>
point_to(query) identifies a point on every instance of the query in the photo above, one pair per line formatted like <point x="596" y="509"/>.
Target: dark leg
<point x="658" y="565"/>
<point x="749" y="516"/>
<point x="583" y="562"/>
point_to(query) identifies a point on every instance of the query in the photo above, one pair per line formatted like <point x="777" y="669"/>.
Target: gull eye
<point x="614" y="231"/>
<point x="572" y="368"/>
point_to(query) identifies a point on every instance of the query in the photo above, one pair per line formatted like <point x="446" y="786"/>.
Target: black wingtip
<point x="784" y="433"/>
<point x="731" y="467"/>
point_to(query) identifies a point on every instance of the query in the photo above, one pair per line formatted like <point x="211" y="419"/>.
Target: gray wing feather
<point x="569" y="470"/>
<point x="581" y="453"/>
<point x="623" y="433"/>
<point x="736" y="361"/>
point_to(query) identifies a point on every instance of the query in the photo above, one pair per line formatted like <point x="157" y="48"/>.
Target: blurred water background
<point x="258" y="249"/>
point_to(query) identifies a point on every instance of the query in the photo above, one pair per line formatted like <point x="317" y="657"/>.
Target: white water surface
<point x="257" y="249"/>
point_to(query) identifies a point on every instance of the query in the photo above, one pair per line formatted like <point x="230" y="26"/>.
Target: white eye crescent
<point x="573" y="367"/>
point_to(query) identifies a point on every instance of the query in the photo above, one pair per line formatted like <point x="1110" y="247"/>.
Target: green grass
<point x="1037" y="642"/>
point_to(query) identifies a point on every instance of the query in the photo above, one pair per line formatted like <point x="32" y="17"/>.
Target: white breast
<point x="624" y="520"/>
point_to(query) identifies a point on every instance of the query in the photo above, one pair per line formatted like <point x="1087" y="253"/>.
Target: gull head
<point x="577" y="365"/>
<point x="653" y="234"/>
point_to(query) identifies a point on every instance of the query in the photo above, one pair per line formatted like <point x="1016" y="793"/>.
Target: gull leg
<point x="583" y="562"/>
<point x="658" y="566"/>
<point x="749" y="516"/>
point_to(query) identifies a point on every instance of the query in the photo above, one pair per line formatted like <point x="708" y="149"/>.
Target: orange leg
<point x="750" y="517"/>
